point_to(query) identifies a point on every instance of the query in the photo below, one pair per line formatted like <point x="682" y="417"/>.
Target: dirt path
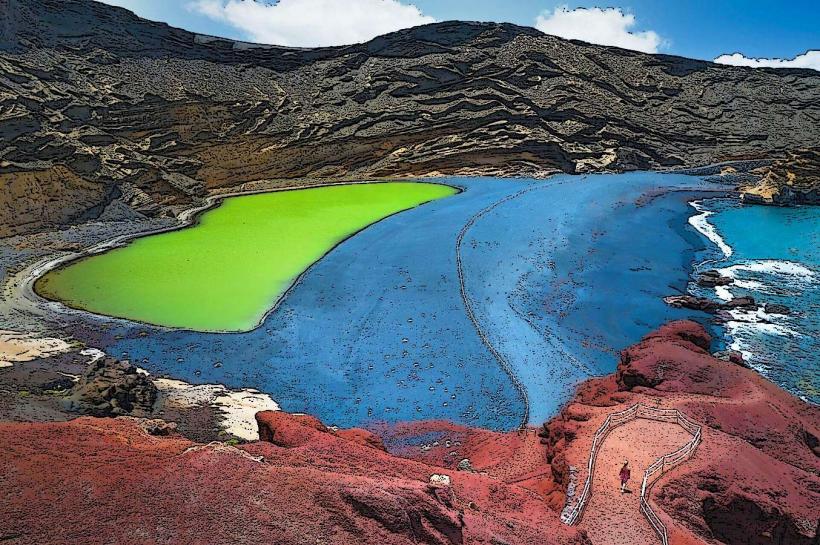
<point x="612" y="518"/>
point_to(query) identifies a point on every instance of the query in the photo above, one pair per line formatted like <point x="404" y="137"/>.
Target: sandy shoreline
<point x="18" y="347"/>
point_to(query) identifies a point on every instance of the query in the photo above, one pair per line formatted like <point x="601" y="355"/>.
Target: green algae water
<point x="227" y="271"/>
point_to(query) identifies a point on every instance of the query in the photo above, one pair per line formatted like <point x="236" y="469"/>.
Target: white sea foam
<point x="701" y="223"/>
<point x="764" y="339"/>
<point x="775" y="267"/>
<point x="749" y="321"/>
<point x="752" y="285"/>
<point x="723" y="293"/>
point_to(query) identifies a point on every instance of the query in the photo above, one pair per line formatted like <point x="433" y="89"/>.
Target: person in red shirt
<point x="625" y="473"/>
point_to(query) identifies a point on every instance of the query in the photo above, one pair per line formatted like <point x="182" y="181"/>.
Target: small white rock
<point x="440" y="480"/>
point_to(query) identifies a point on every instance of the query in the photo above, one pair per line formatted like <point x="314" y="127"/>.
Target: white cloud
<point x="809" y="59"/>
<point x="609" y="26"/>
<point x="307" y="23"/>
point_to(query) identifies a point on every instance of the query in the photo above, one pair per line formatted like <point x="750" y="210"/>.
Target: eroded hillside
<point x="105" y="114"/>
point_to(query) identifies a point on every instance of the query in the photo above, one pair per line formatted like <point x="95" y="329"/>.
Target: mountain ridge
<point x="104" y="109"/>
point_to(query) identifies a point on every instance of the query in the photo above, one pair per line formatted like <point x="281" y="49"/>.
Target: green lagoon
<point x="228" y="270"/>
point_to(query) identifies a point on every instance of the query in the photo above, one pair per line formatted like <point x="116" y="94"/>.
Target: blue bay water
<point x="560" y="274"/>
<point x="775" y="258"/>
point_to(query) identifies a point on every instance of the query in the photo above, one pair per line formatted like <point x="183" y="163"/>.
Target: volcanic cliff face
<point x="795" y="179"/>
<point x="99" y="108"/>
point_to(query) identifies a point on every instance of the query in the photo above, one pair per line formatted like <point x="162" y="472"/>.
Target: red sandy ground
<point x="754" y="479"/>
<point x="613" y="518"/>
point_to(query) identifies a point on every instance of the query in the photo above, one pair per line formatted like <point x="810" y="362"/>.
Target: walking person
<point x="625" y="473"/>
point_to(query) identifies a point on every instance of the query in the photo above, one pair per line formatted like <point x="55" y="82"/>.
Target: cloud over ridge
<point x="312" y="23"/>
<point x="809" y="59"/>
<point x="603" y="26"/>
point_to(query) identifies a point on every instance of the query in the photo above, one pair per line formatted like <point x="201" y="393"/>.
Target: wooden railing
<point x="572" y="515"/>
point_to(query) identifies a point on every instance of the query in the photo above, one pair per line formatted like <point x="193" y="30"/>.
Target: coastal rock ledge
<point x="794" y="179"/>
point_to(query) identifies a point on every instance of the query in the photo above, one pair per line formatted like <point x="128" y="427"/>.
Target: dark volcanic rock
<point x="98" y="106"/>
<point x="732" y="356"/>
<point x="161" y="428"/>
<point x="695" y="303"/>
<point x="775" y="308"/>
<point x="112" y="388"/>
<point x="708" y="305"/>
<point x="745" y="302"/>
<point x="710" y="279"/>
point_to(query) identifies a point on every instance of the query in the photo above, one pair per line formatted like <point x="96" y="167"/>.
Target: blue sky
<point x="694" y="28"/>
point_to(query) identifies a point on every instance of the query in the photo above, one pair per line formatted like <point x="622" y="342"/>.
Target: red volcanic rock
<point x="754" y="479"/>
<point x="409" y="511"/>
<point x="363" y="437"/>
<point x="674" y="359"/>
<point x="288" y="430"/>
<point x="742" y="496"/>
<point x="295" y="430"/>
<point x="513" y="457"/>
<point x="103" y="480"/>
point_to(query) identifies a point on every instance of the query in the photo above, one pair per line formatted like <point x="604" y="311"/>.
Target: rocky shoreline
<point x="791" y="180"/>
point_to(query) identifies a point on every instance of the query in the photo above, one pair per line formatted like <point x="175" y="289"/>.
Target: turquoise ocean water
<point x="773" y="254"/>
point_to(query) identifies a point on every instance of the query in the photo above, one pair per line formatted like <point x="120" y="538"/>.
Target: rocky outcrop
<point x="291" y="431"/>
<point x="708" y="305"/>
<point x="112" y="388"/>
<point x="410" y="512"/>
<point x="711" y="279"/>
<point x="107" y="111"/>
<point x="754" y="479"/>
<point x="794" y="179"/>
<point x="776" y="308"/>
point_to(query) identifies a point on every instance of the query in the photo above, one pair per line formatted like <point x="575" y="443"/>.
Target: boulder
<point x="464" y="465"/>
<point x="109" y="387"/>
<point x="157" y="427"/>
<point x="288" y="430"/>
<point x="732" y="356"/>
<point x="695" y="303"/>
<point x="295" y="430"/>
<point x="363" y="437"/>
<point x="712" y="278"/>
<point x="775" y="308"/>
<point x="740" y="302"/>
